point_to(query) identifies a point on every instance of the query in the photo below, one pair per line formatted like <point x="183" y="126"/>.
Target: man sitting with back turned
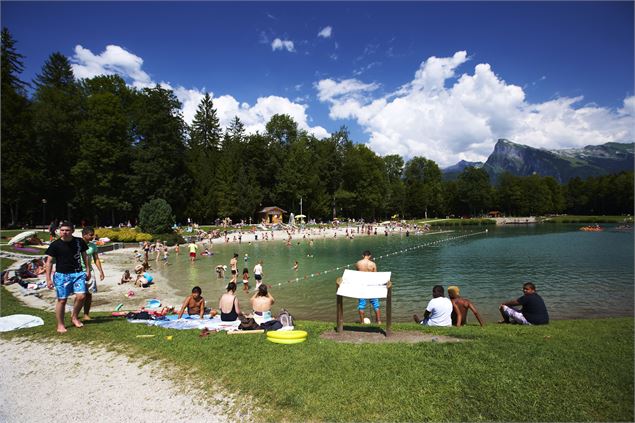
<point x="463" y="304"/>
<point x="439" y="310"/>
<point x="533" y="312"/>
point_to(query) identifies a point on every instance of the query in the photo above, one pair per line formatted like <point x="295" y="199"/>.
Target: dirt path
<point x="54" y="381"/>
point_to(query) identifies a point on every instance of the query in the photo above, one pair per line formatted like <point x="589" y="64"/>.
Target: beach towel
<point x="19" y="321"/>
<point x="190" y="322"/>
<point x="364" y="284"/>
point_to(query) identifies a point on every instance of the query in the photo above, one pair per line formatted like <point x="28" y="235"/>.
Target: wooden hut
<point x="271" y="215"/>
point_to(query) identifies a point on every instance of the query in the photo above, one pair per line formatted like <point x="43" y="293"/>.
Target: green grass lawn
<point x="5" y="262"/>
<point x="578" y="370"/>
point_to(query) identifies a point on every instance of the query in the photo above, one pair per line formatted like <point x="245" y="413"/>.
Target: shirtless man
<point x="463" y="305"/>
<point x="367" y="265"/>
<point x="261" y="303"/>
<point x="194" y="303"/>
<point x="233" y="265"/>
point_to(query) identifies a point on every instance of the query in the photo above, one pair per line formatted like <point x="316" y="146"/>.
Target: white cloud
<point x="279" y="44"/>
<point x="325" y="32"/>
<point x="464" y="119"/>
<point x="117" y="61"/>
<point x="329" y="89"/>
<point x="113" y="60"/>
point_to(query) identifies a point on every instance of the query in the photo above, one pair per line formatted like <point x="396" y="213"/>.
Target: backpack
<point x="285" y="318"/>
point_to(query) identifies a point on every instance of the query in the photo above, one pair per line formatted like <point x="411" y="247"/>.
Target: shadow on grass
<point x="364" y="329"/>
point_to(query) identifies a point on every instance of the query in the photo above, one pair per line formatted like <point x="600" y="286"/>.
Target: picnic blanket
<point x="190" y="322"/>
<point x="364" y="284"/>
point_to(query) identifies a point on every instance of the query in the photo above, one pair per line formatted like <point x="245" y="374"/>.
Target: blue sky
<point x="442" y="80"/>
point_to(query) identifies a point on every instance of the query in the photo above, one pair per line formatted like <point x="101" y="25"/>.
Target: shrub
<point x="122" y="235"/>
<point x="156" y="217"/>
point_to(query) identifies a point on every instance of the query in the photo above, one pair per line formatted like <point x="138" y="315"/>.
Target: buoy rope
<point x="382" y="256"/>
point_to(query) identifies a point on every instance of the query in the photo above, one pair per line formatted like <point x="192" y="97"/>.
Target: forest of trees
<point x="97" y="149"/>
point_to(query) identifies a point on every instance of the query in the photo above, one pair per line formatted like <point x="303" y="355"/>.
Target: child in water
<point x="125" y="278"/>
<point x="245" y="279"/>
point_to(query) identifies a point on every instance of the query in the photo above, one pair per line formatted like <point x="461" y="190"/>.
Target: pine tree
<point x="20" y="164"/>
<point x="159" y="167"/>
<point x="57" y="112"/>
<point x="100" y="174"/>
<point x="205" y="140"/>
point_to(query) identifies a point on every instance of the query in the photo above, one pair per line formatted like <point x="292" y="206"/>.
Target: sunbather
<point x="228" y="304"/>
<point x="194" y="303"/>
<point x="125" y="278"/>
<point x="261" y="303"/>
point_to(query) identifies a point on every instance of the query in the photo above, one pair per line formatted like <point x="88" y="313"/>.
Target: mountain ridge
<point x="563" y="165"/>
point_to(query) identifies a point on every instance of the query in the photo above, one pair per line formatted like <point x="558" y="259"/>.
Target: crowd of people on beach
<point x="77" y="265"/>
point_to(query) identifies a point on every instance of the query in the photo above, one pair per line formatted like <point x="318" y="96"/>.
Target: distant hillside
<point x="522" y="160"/>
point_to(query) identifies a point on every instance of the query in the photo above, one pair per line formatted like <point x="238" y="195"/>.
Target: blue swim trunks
<point x="67" y="284"/>
<point x="373" y="301"/>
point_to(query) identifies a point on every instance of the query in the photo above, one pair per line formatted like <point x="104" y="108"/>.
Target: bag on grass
<point x="271" y="325"/>
<point x="285" y="318"/>
<point x="248" y="324"/>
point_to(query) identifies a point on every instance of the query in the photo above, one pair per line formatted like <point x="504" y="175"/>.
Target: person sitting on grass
<point x="533" y="312"/>
<point x="194" y="303"/>
<point x="261" y="303"/>
<point x="125" y="278"/>
<point x="228" y="304"/>
<point x="463" y="304"/>
<point x="439" y="310"/>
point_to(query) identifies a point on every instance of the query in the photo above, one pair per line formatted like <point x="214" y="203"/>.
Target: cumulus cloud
<point x="117" y="61"/>
<point x="325" y="32"/>
<point x="279" y="44"/>
<point x="114" y="60"/>
<point x="448" y="118"/>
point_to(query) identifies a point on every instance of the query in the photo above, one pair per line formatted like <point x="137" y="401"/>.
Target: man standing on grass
<point x="88" y="235"/>
<point x="463" y="304"/>
<point x="367" y="265"/>
<point x="69" y="253"/>
<point x="439" y="310"/>
<point x="533" y="312"/>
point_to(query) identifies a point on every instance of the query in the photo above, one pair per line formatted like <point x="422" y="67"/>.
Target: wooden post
<point x="389" y="309"/>
<point x="339" y="319"/>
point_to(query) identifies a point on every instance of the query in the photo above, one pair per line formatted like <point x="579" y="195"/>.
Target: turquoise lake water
<point x="579" y="274"/>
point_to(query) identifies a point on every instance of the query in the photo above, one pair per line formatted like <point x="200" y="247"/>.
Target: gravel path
<point x="53" y="381"/>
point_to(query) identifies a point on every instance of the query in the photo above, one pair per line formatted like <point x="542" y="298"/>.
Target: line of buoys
<point x="342" y="267"/>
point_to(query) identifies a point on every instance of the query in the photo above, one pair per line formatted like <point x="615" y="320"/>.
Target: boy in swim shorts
<point x="69" y="253"/>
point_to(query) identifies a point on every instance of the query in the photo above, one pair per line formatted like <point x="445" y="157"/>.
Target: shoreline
<point x="110" y="294"/>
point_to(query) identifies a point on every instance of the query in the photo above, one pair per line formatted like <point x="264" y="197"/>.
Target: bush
<point x="156" y="217"/>
<point x="122" y="235"/>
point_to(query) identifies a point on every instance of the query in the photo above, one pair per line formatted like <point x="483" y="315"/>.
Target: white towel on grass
<point x="357" y="284"/>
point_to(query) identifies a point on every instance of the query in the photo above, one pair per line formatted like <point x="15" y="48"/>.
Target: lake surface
<point x="579" y="274"/>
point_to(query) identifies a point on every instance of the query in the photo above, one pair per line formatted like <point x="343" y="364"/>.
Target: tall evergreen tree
<point x="20" y="162"/>
<point x="205" y="141"/>
<point x="105" y="147"/>
<point x="159" y="169"/>
<point x="57" y="110"/>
